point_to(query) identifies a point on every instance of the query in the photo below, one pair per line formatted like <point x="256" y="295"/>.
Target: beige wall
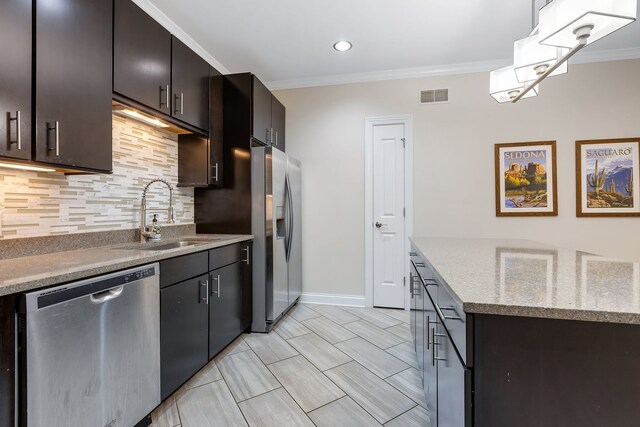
<point x="453" y="161"/>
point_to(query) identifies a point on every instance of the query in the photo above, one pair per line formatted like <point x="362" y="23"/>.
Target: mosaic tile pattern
<point x="44" y="204"/>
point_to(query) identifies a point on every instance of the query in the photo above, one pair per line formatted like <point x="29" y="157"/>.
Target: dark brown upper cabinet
<point x="15" y="79"/>
<point x="190" y="85"/>
<point x="261" y="129"/>
<point x="141" y="57"/>
<point x="200" y="158"/>
<point x="73" y="75"/>
<point x="278" y="114"/>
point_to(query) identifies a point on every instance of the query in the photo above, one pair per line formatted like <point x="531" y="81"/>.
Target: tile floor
<point x="321" y="366"/>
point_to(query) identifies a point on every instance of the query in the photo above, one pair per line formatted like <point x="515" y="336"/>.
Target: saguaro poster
<point x="607" y="172"/>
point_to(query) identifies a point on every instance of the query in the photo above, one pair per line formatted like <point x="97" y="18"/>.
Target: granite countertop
<point x="33" y="272"/>
<point x="530" y="279"/>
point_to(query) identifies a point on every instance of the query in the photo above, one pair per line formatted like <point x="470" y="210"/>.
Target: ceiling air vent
<point x="436" y="96"/>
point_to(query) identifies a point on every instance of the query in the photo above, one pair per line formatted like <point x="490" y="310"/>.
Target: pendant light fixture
<point x="565" y="27"/>
<point x="531" y="59"/>
<point x="560" y="20"/>
<point x="505" y="87"/>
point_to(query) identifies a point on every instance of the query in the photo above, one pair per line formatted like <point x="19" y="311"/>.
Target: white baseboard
<point x="333" y="299"/>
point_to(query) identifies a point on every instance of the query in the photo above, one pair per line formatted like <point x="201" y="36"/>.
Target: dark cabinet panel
<point x="429" y="366"/>
<point x="247" y="285"/>
<point x="142" y="57"/>
<point x="15" y="79"/>
<point x="278" y="114"/>
<point x="451" y="381"/>
<point x="200" y="159"/>
<point x="216" y="129"/>
<point x="73" y="83"/>
<point x="184" y="325"/>
<point x="225" y="306"/>
<point x="190" y="85"/>
<point x="174" y="270"/>
<point x="261" y="113"/>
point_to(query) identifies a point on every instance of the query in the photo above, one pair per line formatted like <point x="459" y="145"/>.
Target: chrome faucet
<point x="153" y="232"/>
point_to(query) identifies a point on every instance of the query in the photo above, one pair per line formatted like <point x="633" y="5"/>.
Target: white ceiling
<point x="289" y="42"/>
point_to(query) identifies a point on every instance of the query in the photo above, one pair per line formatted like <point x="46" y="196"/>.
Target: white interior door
<point x="388" y="215"/>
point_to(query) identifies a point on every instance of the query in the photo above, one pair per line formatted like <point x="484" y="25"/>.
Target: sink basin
<point x="165" y="246"/>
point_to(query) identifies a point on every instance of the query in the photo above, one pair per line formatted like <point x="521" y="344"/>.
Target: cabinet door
<point x="430" y="368"/>
<point x="189" y="85"/>
<point x="73" y="83"/>
<point x="225" y="307"/>
<point x="451" y="381"/>
<point x="184" y="324"/>
<point x="413" y="282"/>
<point x="261" y="112"/>
<point x="216" y="117"/>
<point x="247" y="285"/>
<point x="141" y="57"/>
<point x="420" y="322"/>
<point x="278" y="115"/>
<point x="15" y="79"/>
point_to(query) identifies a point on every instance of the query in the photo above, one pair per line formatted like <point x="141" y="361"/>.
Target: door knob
<point x="379" y="224"/>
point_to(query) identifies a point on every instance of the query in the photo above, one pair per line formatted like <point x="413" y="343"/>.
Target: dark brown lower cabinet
<point x="200" y="316"/>
<point x="225" y="307"/>
<point x="184" y="333"/>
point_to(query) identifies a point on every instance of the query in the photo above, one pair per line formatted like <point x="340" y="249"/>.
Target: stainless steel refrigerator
<point x="275" y="223"/>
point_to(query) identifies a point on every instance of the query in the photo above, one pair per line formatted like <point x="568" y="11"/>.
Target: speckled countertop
<point x="32" y="272"/>
<point x="525" y="278"/>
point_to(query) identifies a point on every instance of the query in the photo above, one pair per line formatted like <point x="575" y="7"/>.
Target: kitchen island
<point x="513" y="332"/>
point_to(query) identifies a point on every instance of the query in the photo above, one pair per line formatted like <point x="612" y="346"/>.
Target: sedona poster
<point x="607" y="172"/>
<point x="525" y="179"/>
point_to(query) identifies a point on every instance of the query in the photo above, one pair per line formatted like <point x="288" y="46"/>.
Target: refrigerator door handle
<point x="291" y="218"/>
<point x="287" y="215"/>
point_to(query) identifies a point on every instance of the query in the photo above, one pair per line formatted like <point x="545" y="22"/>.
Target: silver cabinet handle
<point x="164" y="103"/>
<point x="268" y="133"/>
<point x="17" y="119"/>
<point x="215" y="176"/>
<point x="276" y="138"/>
<point x="434" y="355"/>
<point x="420" y="264"/>
<point x="217" y="279"/>
<point x="204" y="298"/>
<point x="179" y="101"/>
<point x="247" y="261"/>
<point x="413" y="254"/>
<point x="56" y="127"/>
<point x="441" y="314"/>
<point x="271" y="139"/>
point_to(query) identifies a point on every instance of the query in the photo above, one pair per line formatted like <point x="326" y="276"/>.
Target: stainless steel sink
<point x="165" y="246"/>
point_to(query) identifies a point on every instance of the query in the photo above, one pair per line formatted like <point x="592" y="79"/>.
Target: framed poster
<point x="526" y="179"/>
<point x="606" y="171"/>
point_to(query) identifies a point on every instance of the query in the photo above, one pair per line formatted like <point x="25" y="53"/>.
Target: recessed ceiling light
<point x="342" y="46"/>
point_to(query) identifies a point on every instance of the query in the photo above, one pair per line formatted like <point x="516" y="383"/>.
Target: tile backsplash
<point x="44" y="204"/>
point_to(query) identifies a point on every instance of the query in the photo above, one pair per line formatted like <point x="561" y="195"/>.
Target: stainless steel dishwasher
<point x="89" y="352"/>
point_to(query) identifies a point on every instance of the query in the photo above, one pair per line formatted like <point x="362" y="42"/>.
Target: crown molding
<point x="583" y="57"/>
<point x="174" y="29"/>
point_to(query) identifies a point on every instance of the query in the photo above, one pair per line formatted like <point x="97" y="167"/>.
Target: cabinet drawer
<point x="453" y="317"/>
<point x="181" y="268"/>
<point x="225" y="255"/>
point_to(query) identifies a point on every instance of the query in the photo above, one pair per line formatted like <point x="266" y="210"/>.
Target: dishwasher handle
<point x="104" y="296"/>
